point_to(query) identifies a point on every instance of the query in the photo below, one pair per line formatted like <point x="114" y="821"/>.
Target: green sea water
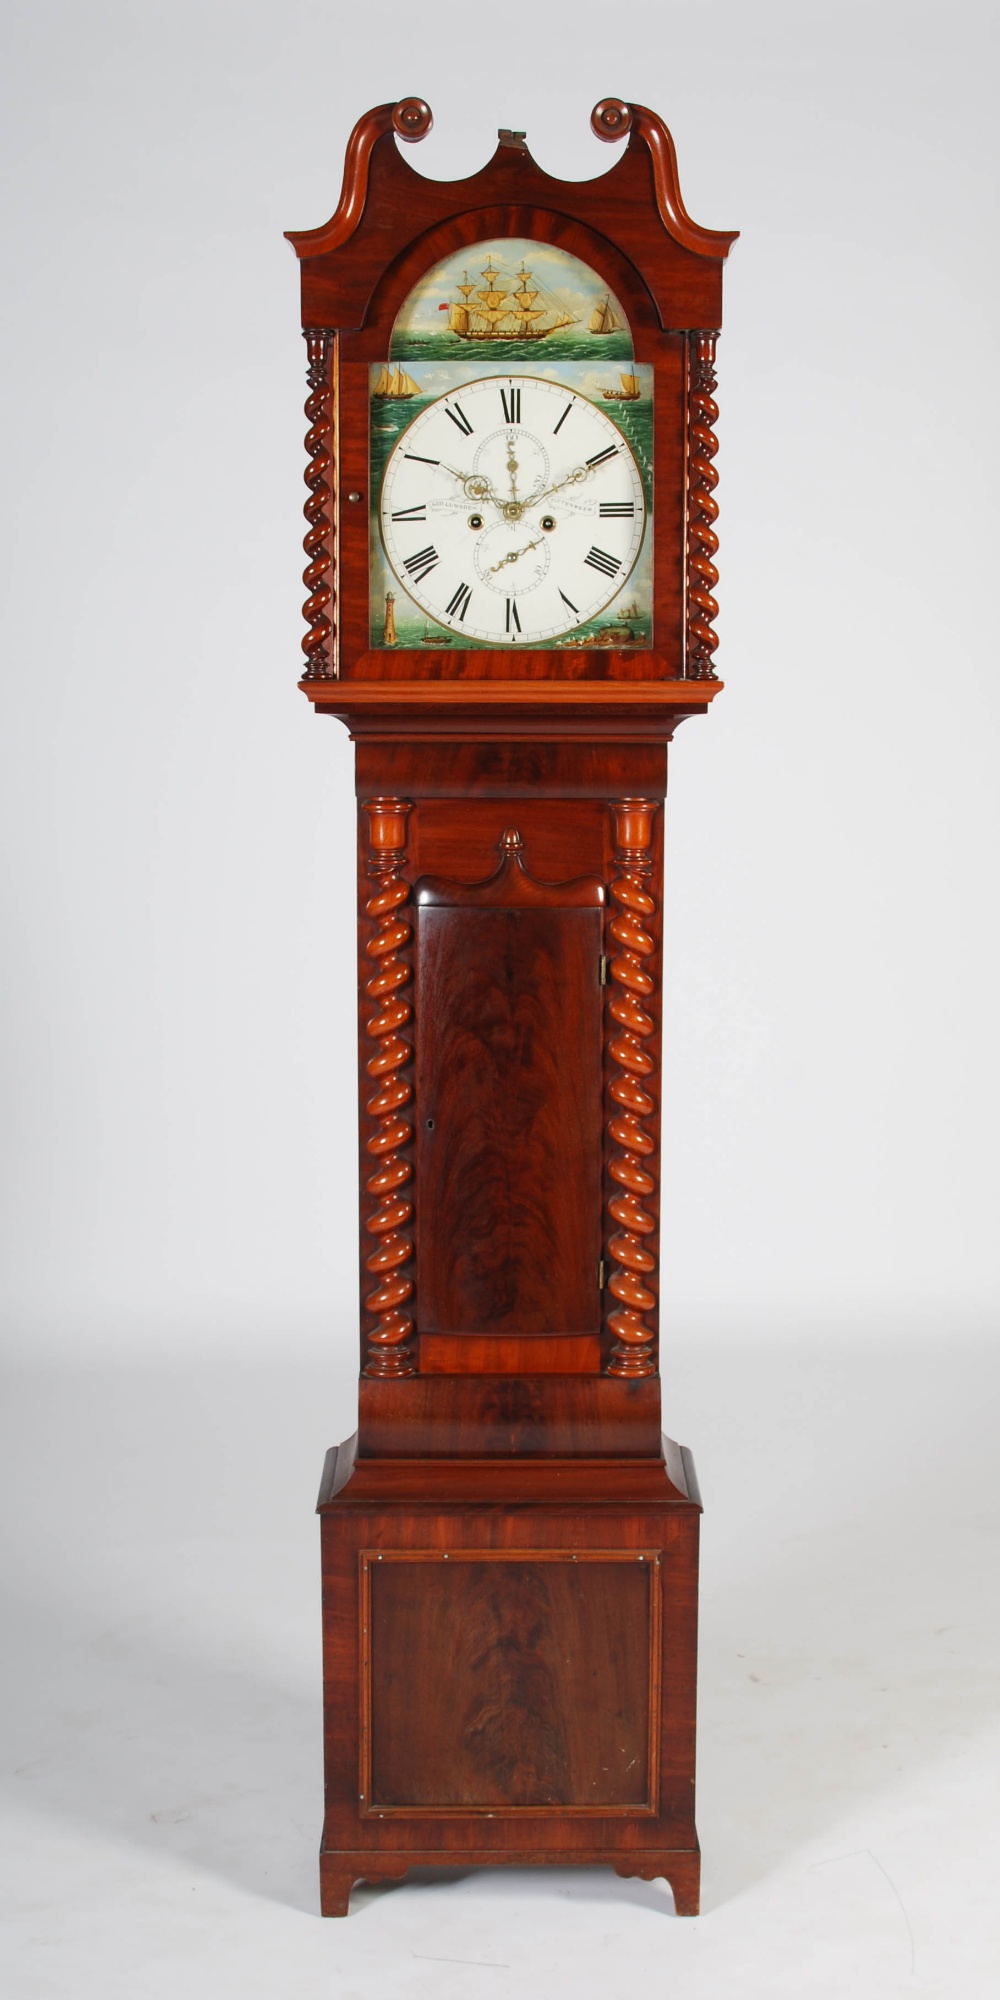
<point x="556" y="347"/>
<point x="606" y="631"/>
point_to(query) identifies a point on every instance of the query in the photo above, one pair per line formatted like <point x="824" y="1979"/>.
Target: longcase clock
<point x="511" y="571"/>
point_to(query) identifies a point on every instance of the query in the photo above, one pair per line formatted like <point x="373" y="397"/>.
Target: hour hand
<point x="473" y="483"/>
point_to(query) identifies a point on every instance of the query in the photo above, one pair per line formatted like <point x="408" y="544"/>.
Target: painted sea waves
<point x="573" y="345"/>
<point x="623" y="393"/>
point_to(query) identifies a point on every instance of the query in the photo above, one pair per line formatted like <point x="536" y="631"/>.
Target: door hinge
<point x="600" y="1275"/>
<point x="603" y="969"/>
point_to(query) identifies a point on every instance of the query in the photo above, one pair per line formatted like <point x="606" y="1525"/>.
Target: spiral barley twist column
<point x="631" y="1166"/>
<point x="318" y="510"/>
<point x="388" y="1353"/>
<point x="703" y="510"/>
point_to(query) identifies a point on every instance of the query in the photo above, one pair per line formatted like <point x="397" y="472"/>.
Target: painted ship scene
<point x="629" y="390"/>
<point x="512" y="297"/>
<point x="499" y="310"/>
<point x="629" y="626"/>
<point x="396" y="384"/>
<point x="604" y="319"/>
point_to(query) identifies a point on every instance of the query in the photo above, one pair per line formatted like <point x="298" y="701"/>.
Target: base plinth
<point x="509" y="1668"/>
<point x="340" y="1873"/>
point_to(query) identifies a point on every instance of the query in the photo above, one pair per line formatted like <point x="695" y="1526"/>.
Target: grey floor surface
<point x="161" y="1800"/>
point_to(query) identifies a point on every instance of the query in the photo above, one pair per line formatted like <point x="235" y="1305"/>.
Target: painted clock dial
<point x="512" y="510"/>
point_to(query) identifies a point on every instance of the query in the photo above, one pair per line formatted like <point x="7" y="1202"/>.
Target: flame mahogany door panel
<point x="509" y="1065"/>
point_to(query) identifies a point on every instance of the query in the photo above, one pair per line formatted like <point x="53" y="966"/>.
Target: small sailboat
<point x="604" y="318"/>
<point x="396" y="385"/>
<point x="629" y="392"/>
<point x="616" y="631"/>
<point x="620" y="630"/>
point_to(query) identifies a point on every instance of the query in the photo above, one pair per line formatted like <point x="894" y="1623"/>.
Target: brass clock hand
<point x="475" y="486"/>
<point x="512" y="468"/>
<point x="514" y="555"/>
<point x="574" y="478"/>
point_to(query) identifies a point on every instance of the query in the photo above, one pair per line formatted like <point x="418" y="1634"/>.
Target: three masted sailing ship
<point x="499" y="309"/>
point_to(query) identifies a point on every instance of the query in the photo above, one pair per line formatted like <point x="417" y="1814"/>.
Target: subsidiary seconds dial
<point x="512" y="510"/>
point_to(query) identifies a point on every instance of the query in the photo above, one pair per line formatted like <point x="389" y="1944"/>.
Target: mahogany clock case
<point x="509" y="1545"/>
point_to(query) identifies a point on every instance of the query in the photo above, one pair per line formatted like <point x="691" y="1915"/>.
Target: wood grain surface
<point x="534" y="1676"/>
<point x="509" y="1128"/>
<point x="546" y="1688"/>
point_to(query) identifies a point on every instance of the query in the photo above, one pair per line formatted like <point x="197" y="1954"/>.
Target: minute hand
<point x="574" y="478"/>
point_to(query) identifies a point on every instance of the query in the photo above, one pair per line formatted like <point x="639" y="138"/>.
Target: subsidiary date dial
<point x="512" y="510"/>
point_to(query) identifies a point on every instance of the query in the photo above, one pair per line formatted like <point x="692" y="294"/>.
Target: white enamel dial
<point x="512" y="510"/>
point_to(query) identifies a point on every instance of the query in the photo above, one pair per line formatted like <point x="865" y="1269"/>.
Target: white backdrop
<point x="179" y="1138"/>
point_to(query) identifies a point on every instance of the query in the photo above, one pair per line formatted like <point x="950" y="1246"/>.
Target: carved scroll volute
<point x="317" y="576"/>
<point x="389" y="1069"/>
<point x="632" y="1164"/>
<point x="703" y="510"/>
